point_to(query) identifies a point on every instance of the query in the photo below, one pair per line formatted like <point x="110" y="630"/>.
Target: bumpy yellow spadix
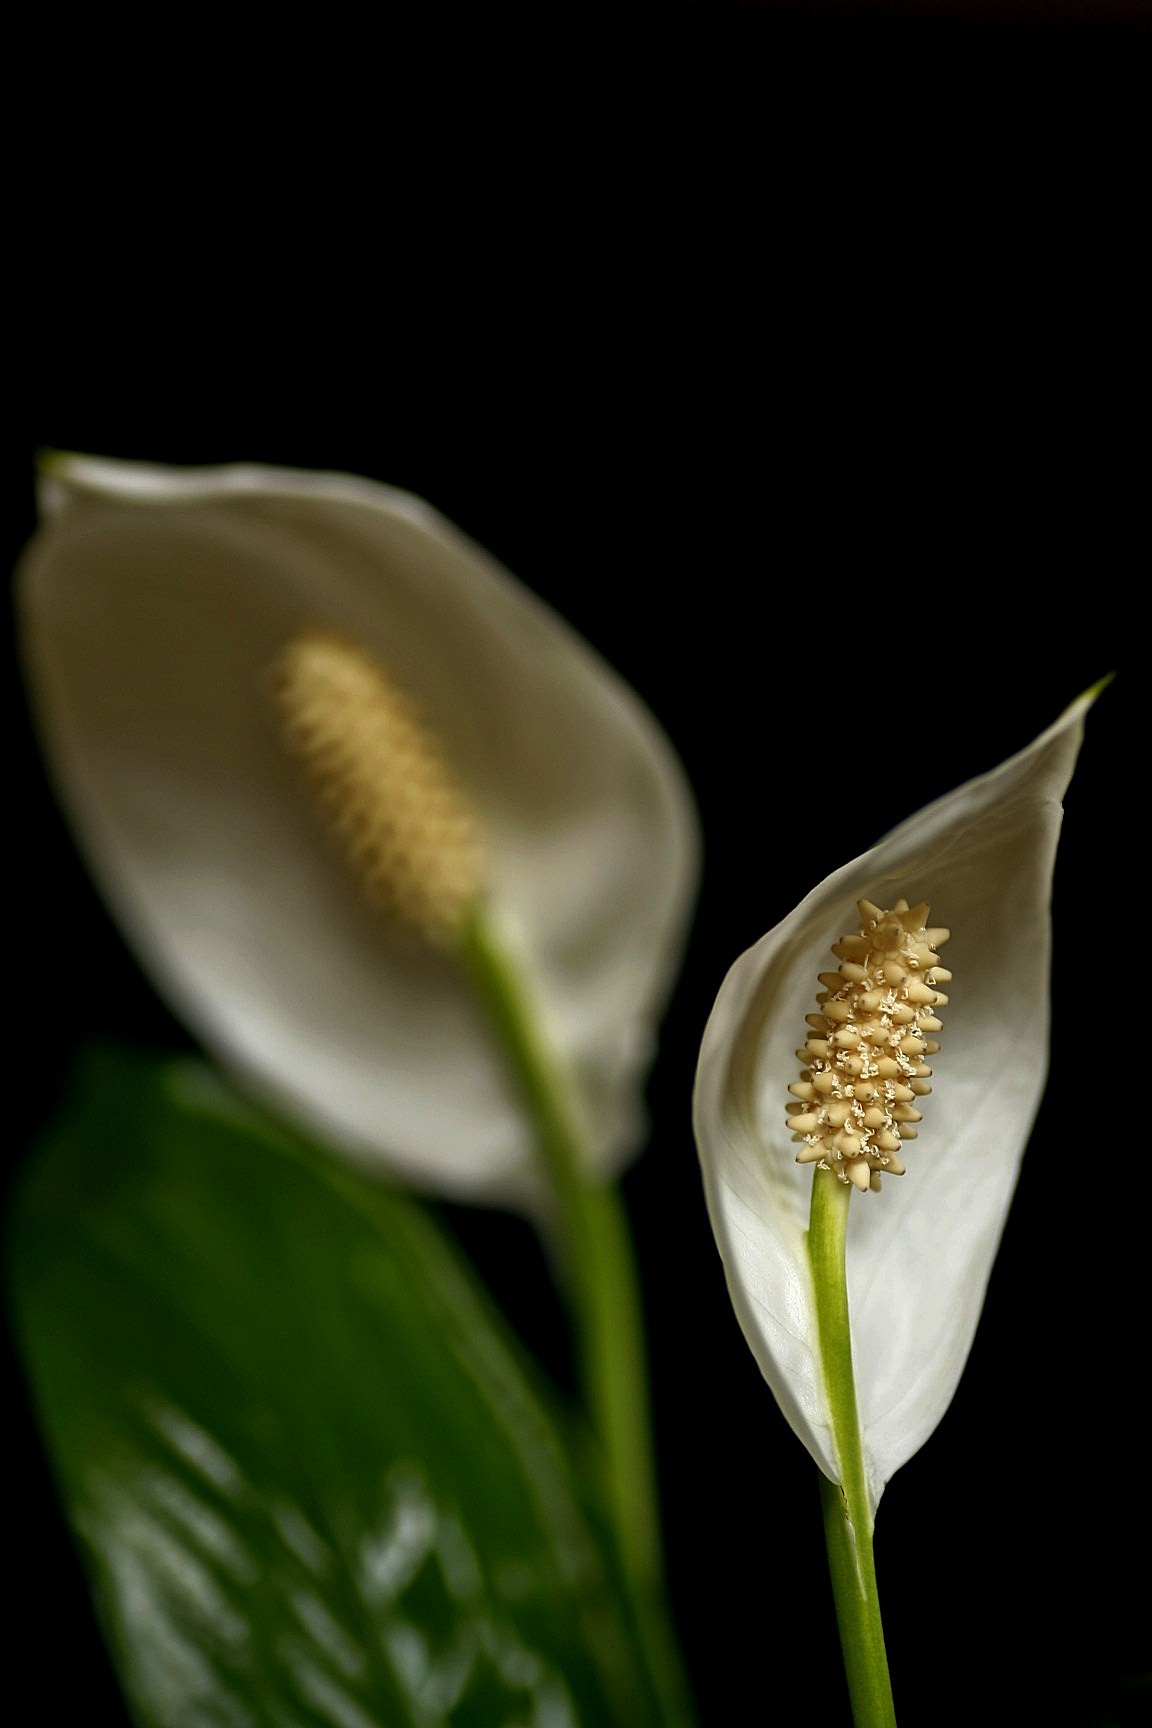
<point x="382" y="784"/>
<point x="855" y="1101"/>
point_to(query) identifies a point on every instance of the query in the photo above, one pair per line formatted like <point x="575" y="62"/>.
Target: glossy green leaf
<point x="310" y="1479"/>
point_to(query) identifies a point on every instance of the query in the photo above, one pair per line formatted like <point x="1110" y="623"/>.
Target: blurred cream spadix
<point x="153" y="600"/>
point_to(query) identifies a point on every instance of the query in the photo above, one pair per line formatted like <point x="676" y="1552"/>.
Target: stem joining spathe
<point x="847" y="1515"/>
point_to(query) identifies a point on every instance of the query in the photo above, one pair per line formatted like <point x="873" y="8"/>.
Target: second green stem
<point x="603" y="1291"/>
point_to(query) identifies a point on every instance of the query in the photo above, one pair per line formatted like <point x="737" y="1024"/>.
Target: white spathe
<point x="919" y="1253"/>
<point x="152" y="600"/>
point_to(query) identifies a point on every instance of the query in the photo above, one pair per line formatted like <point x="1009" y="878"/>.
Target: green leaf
<point x="310" y="1480"/>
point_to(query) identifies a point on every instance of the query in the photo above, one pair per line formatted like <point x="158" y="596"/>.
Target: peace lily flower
<point x="154" y="602"/>
<point x="857" y="1216"/>
<point x="212" y="651"/>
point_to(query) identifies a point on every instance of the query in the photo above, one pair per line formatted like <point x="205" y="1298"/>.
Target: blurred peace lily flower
<point x="154" y="601"/>
<point x="918" y="1255"/>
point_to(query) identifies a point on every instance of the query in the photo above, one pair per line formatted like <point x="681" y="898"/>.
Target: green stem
<point x="603" y="1291"/>
<point x="847" y="1509"/>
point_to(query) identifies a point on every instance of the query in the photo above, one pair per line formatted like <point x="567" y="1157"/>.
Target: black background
<point x="798" y="356"/>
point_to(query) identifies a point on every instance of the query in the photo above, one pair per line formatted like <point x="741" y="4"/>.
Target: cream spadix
<point x="381" y="784"/>
<point x="919" y="1255"/>
<point x="854" y="1105"/>
<point x="153" y="600"/>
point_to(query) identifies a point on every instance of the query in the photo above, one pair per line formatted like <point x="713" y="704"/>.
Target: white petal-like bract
<point x="920" y="1252"/>
<point x="152" y="602"/>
